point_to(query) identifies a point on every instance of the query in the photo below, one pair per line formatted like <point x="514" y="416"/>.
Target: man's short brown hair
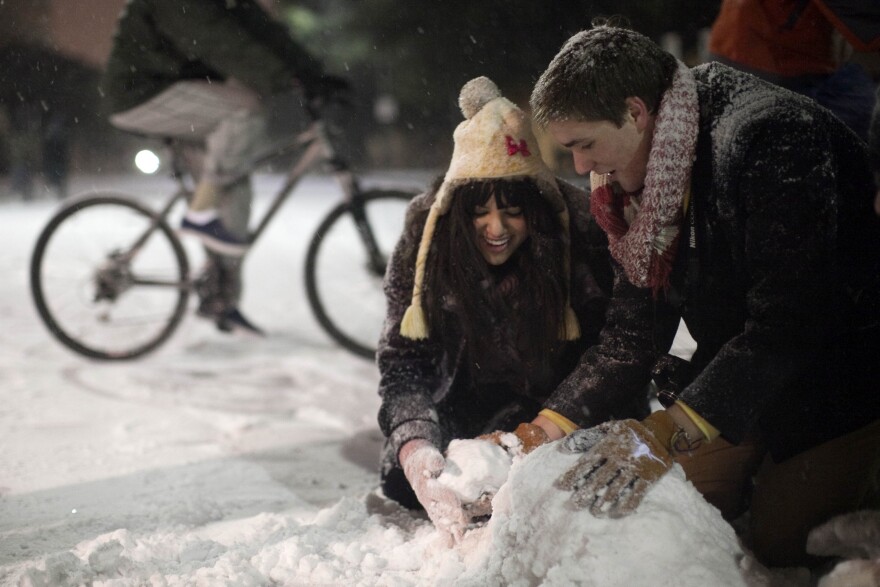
<point x="596" y="71"/>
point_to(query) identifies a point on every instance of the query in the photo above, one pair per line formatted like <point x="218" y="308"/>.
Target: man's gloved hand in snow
<point x="621" y="460"/>
<point x="852" y="535"/>
<point x="422" y="463"/>
<point x="855" y="537"/>
<point x="526" y="438"/>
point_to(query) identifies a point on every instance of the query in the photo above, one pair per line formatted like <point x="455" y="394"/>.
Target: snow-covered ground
<point x="222" y="460"/>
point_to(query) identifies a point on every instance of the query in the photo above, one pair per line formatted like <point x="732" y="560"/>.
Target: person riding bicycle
<point x="202" y="71"/>
<point x="496" y="288"/>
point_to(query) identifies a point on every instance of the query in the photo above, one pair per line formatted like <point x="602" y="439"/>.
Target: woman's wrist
<point x="686" y="418"/>
<point x="409" y="447"/>
<point x="683" y="421"/>
<point x="553" y="431"/>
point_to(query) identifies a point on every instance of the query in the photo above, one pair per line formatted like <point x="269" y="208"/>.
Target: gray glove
<point x="421" y="468"/>
<point x="853" y="535"/>
<point x="621" y="460"/>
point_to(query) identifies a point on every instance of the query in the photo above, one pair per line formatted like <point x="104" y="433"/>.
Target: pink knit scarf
<point x="643" y="231"/>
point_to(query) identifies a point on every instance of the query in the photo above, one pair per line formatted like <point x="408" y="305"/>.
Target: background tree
<point x="420" y="53"/>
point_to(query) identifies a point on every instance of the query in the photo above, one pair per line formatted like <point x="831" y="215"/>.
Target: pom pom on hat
<point x="494" y="141"/>
<point x="475" y="94"/>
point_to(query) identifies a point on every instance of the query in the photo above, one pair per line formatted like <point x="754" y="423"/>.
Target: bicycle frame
<point x="114" y="271"/>
<point x="315" y="148"/>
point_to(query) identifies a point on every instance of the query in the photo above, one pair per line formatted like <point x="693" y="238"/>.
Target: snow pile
<point x="534" y="537"/>
<point x="218" y="461"/>
<point x="854" y="537"/>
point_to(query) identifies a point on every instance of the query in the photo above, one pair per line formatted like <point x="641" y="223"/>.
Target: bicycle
<point x="130" y="272"/>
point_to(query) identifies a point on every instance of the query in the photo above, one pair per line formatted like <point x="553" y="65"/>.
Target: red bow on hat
<point x="513" y="148"/>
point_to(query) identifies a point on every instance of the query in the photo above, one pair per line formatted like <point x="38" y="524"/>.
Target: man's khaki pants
<point x="790" y="498"/>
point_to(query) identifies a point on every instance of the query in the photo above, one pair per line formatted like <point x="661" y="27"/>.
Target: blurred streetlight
<point x="147" y="161"/>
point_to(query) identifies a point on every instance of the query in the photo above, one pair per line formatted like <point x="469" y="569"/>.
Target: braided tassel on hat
<point x="414" y="324"/>
<point x="571" y="328"/>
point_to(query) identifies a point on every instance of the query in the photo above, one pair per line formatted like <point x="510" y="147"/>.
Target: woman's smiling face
<point x="500" y="231"/>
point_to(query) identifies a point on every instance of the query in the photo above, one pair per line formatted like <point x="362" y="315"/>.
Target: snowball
<point x="474" y="467"/>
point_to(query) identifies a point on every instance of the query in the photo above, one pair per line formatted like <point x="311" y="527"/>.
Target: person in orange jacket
<point x="795" y="44"/>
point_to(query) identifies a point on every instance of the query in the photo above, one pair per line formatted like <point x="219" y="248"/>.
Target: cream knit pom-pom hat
<point x="495" y="141"/>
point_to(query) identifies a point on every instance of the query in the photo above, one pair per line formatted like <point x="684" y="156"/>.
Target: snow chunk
<point x="475" y="467"/>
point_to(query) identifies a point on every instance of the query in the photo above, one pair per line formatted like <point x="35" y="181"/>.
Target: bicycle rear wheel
<point x="344" y="278"/>
<point x="109" y="277"/>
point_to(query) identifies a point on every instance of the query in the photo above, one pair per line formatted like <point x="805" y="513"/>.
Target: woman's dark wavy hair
<point x="456" y="268"/>
<point x="597" y="70"/>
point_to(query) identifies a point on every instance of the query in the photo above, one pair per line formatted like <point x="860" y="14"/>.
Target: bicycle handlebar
<point x="316" y="105"/>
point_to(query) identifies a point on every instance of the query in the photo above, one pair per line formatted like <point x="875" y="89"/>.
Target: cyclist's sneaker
<point x="211" y="308"/>
<point x="215" y="237"/>
<point x="234" y="321"/>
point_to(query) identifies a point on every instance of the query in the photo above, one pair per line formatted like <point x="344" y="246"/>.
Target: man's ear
<point x="638" y="111"/>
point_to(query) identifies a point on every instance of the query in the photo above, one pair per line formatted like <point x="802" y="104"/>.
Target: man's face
<point x="604" y="148"/>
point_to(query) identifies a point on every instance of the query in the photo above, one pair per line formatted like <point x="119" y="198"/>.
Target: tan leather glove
<point x="526" y="438"/>
<point x="421" y="468"/>
<point x="622" y="460"/>
<point x="663" y="427"/>
<point x="672" y="436"/>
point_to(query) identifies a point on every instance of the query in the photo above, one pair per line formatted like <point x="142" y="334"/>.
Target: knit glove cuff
<point x="526" y="438"/>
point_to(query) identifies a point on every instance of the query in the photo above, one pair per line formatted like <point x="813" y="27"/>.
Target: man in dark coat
<point x="874" y="148"/>
<point x="202" y="70"/>
<point x="745" y="211"/>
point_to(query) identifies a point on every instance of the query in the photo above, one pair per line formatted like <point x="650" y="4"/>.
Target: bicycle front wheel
<point x="344" y="270"/>
<point x="109" y="277"/>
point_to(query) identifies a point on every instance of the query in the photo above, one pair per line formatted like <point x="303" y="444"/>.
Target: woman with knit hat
<point x="494" y="291"/>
